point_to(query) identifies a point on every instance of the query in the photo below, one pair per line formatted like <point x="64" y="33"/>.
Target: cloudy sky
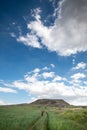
<point x="43" y="51"/>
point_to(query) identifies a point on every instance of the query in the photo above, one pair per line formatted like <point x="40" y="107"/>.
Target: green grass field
<point x="29" y="118"/>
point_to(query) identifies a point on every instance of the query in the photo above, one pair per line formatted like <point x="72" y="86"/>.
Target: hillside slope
<point x="51" y="102"/>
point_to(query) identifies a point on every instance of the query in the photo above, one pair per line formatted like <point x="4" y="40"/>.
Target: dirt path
<point x="32" y="127"/>
<point x="45" y="124"/>
<point x="36" y="122"/>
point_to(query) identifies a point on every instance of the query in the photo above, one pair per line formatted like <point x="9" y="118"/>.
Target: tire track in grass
<point x="42" y="121"/>
<point x="32" y="127"/>
<point x="45" y="127"/>
<point x="42" y="124"/>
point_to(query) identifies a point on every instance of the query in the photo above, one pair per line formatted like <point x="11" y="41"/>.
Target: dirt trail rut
<point x="36" y="122"/>
<point x="32" y="127"/>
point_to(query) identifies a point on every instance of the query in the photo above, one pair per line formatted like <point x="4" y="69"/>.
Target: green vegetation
<point x="26" y="117"/>
<point x="67" y="120"/>
<point x="41" y="123"/>
<point x="18" y="117"/>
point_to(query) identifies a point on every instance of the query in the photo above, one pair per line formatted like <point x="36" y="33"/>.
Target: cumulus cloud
<point x="30" y="40"/>
<point x="59" y="78"/>
<point x="52" y="65"/>
<point x="48" y="75"/>
<point x="78" y="76"/>
<point x="39" y="84"/>
<point x="58" y="9"/>
<point x="45" y="68"/>
<point x="44" y="83"/>
<point x="7" y="90"/>
<point x="80" y="65"/>
<point x="36" y="70"/>
<point x="36" y="13"/>
<point x="67" y="36"/>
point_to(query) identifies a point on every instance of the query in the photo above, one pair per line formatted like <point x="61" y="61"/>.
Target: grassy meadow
<point x="26" y="117"/>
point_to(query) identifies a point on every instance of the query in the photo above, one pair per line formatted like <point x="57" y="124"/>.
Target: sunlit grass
<point x="18" y="117"/>
<point x="67" y="120"/>
<point x="24" y="117"/>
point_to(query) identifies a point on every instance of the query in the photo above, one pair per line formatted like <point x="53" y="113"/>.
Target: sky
<point x="43" y="51"/>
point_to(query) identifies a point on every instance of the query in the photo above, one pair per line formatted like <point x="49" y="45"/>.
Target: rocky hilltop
<point x="51" y="102"/>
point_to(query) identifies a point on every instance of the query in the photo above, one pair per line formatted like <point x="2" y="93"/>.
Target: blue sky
<point x="43" y="51"/>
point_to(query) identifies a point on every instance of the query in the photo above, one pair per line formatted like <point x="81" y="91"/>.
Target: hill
<point x="51" y="102"/>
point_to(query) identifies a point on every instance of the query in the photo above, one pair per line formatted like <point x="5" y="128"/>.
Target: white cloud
<point x="2" y="102"/>
<point x="30" y="40"/>
<point x="7" y="90"/>
<point x="58" y="10"/>
<point x="37" y="70"/>
<point x="48" y="75"/>
<point x="36" y="13"/>
<point x="57" y="78"/>
<point x="35" y="84"/>
<point x="67" y="36"/>
<point x="45" y="68"/>
<point x="31" y="79"/>
<point x="52" y="65"/>
<point x="43" y="83"/>
<point x="46" y="89"/>
<point x="32" y="99"/>
<point x="85" y="82"/>
<point x="80" y="65"/>
<point x="80" y="101"/>
<point x="78" y="76"/>
<point x="49" y="89"/>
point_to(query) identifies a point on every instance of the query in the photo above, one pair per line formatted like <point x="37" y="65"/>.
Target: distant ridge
<point x="51" y="102"/>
